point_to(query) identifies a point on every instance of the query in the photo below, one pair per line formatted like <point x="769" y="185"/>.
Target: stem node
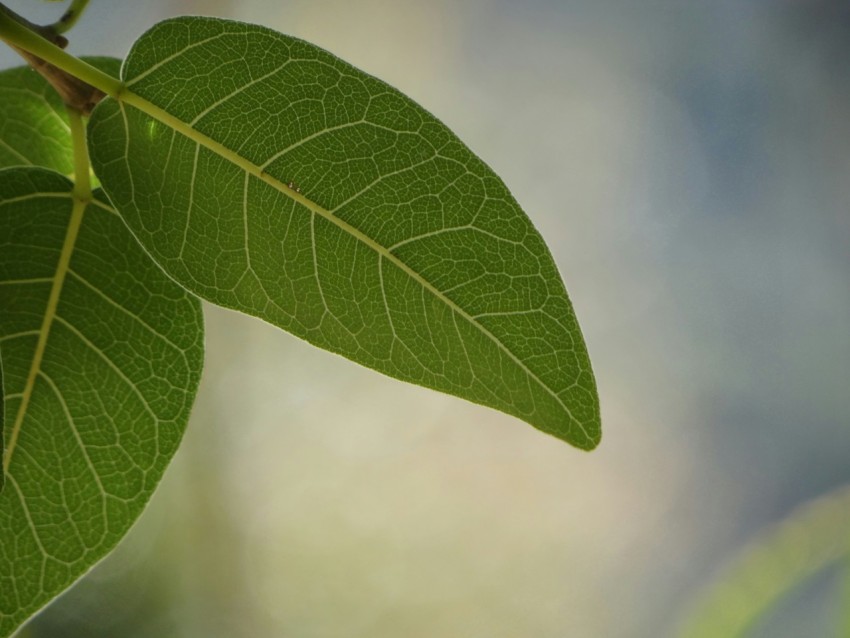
<point x="81" y="85"/>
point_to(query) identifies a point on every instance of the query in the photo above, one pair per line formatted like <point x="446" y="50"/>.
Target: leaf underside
<point x="33" y="120"/>
<point x="34" y="131"/>
<point x="268" y="176"/>
<point x="101" y="357"/>
<point x="2" y="426"/>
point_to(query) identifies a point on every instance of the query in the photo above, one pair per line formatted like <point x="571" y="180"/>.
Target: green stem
<point x="82" y="166"/>
<point x="47" y="33"/>
<point x="25" y="39"/>
<point x="70" y="17"/>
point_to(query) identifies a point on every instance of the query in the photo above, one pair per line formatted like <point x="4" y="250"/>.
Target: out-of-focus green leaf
<point x="33" y="121"/>
<point x="783" y="557"/>
<point x="102" y="355"/>
<point x="266" y="175"/>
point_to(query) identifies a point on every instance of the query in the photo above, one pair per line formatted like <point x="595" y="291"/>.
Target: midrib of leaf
<point x="81" y="195"/>
<point x="62" y="266"/>
<point x="126" y="96"/>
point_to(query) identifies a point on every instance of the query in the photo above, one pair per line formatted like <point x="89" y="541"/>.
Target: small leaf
<point x="102" y="355"/>
<point x="33" y="120"/>
<point x="266" y="175"/>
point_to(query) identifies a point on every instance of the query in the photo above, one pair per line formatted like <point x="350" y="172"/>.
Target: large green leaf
<point x="33" y="120"/>
<point x="34" y="131"/>
<point x="102" y="355"/>
<point x="267" y="175"/>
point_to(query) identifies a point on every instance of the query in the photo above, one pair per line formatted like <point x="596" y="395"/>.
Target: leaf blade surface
<point x="34" y="131"/>
<point x="267" y="175"/>
<point x="2" y="426"/>
<point x="102" y="356"/>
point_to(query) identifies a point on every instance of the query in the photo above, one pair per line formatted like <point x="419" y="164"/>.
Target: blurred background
<point x="688" y="163"/>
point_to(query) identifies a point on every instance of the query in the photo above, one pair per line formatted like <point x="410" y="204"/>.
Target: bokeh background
<point x="688" y="163"/>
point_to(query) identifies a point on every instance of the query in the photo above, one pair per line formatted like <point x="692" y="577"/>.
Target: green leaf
<point x="34" y="131"/>
<point x="266" y="175"/>
<point x="2" y="426"/>
<point x="33" y="120"/>
<point x="102" y="355"/>
<point x="780" y="559"/>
